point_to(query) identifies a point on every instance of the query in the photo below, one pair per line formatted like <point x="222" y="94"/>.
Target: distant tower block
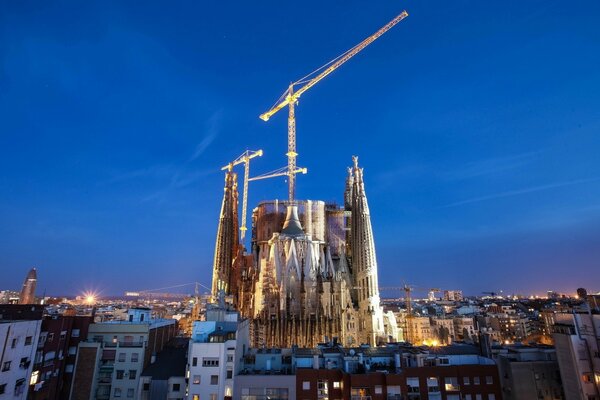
<point x="27" y="295"/>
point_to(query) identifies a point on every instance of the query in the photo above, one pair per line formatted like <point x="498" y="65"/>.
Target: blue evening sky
<point x="477" y="123"/>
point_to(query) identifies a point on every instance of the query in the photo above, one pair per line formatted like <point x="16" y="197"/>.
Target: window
<point x="196" y="380"/>
<point x="120" y="373"/>
<point x="433" y="385"/>
<point x="489" y="380"/>
<point x="6" y="366"/>
<point x="20" y="387"/>
<point x="195" y="397"/>
<point x="476" y="380"/>
<point x="214" y="379"/>
<point x="491" y="396"/>
<point x="306" y="385"/>
<point x="34" y="377"/>
<point x="466" y="381"/>
<point x="50" y="337"/>
<point x="75" y="333"/>
<point x="122" y="357"/>
<point x="146" y="386"/>
<point x="69" y="368"/>
<point x="63" y="335"/>
<point x="322" y="390"/>
<point x="28" y="340"/>
<point x="378" y="389"/>
<point x="176" y="387"/>
<point x="451" y="384"/>
<point x="14" y="342"/>
<point x="117" y="392"/>
<point x="210" y="362"/>
<point x="132" y="373"/>
<point x="135" y="357"/>
<point x="477" y="397"/>
<point x="337" y="384"/>
<point x="230" y="358"/>
<point x="213" y="396"/>
<point x="3" y="388"/>
<point x="229" y="374"/>
<point x="130" y="392"/>
<point x="194" y="363"/>
<point x="72" y="350"/>
<point x="413" y="385"/>
<point x="24" y="364"/>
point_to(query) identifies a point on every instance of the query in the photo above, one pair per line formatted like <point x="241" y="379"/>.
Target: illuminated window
<point x="34" y="377"/>
<point x="451" y="384"/>
<point x="196" y="380"/>
<point x="337" y="385"/>
<point x="195" y="397"/>
<point x="322" y="390"/>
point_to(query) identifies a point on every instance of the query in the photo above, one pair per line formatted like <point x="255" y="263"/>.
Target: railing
<point x="360" y="397"/>
<point x="394" y="397"/>
<point x="131" y="344"/>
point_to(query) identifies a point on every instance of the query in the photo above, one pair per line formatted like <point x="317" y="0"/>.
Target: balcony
<point x="131" y="344"/>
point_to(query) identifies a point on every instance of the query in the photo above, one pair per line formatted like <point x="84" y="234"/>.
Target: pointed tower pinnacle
<point x="227" y="234"/>
<point x="364" y="260"/>
<point x="27" y="295"/>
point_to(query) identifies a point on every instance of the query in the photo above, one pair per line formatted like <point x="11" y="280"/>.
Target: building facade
<point x="215" y="352"/>
<point x="311" y="272"/>
<point x="54" y="363"/>
<point x="110" y="361"/>
<point x="576" y="338"/>
<point x="18" y="339"/>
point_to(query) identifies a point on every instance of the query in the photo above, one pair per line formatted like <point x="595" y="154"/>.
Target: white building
<point x="576" y="338"/>
<point x="18" y="341"/>
<point x="215" y="354"/>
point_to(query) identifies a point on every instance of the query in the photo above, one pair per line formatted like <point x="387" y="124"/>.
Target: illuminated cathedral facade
<point x="310" y="274"/>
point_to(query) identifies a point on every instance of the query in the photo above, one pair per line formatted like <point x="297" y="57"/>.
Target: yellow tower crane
<point x="244" y="158"/>
<point x="290" y="98"/>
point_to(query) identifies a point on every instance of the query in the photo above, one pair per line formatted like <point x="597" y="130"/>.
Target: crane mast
<point x="244" y="159"/>
<point x="290" y="98"/>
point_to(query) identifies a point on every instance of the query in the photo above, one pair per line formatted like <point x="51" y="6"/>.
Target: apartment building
<point x="110" y="361"/>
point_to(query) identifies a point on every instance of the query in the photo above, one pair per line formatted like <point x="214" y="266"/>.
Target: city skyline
<point x="479" y="123"/>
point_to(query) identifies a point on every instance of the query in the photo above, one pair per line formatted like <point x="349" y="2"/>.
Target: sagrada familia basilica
<point x="311" y="272"/>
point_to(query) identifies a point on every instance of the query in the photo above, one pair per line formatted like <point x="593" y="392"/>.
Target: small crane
<point x="244" y="158"/>
<point x="290" y="98"/>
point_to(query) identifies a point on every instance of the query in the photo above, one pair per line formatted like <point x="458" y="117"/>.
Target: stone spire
<point x="226" y="245"/>
<point x="27" y="295"/>
<point x="364" y="260"/>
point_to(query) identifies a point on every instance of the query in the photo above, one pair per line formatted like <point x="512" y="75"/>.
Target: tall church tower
<point x="364" y="261"/>
<point x="226" y="246"/>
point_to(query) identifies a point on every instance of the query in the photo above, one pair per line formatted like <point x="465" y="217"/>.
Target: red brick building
<point x="452" y="382"/>
<point x="56" y="353"/>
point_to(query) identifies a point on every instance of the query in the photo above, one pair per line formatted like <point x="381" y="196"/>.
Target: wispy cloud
<point x="491" y="166"/>
<point x="213" y="127"/>
<point x="517" y="192"/>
